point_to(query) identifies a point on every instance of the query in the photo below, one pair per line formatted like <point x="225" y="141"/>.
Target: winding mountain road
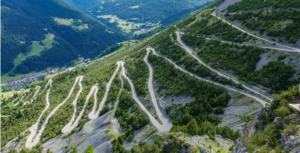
<point x="114" y="121"/>
<point x="166" y="121"/>
<point x="16" y="104"/>
<point x="94" y="114"/>
<point x="70" y="126"/>
<point x="190" y="51"/>
<point x="33" y="97"/>
<point x="33" y="129"/>
<point x="154" y="122"/>
<point x="228" y="42"/>
<point x="263" y="102"/>
<point x="295" y="49"/>
<point x="35" y="94"/>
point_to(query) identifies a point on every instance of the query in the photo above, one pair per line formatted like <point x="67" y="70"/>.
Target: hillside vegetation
<point x="133" y="17"/>
<point x="33" y="39"/>
<point x="169" y="92"/>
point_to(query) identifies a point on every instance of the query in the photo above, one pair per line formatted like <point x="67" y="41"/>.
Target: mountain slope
<point x="184" y="14"/>
<point x="139" y="16"/>
<point x="37" y="35"/>
<point x="81" y="5"/>
<point x="189" y="88"/>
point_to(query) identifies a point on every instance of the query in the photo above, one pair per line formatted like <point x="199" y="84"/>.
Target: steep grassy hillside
<point x="37" y="35"/>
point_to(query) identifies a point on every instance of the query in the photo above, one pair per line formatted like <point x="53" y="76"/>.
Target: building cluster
<point x="25" y="80"/>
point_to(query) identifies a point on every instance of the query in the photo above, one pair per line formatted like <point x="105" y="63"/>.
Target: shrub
<point x="219" y="110"/>
<point x="186" y="145"/>
<point x="282" y="112"/>
<point x="192" y="127"/>
<point x="291" y="129"/>
<point x="211" y="137"/>
<point x="89" y="149"/>
<point x="231" y="148"/>
<point x="247" y="118"/>
<point x="239" y="85"/>
<point x="282" y="56"/>
<point x="274" y="105"/>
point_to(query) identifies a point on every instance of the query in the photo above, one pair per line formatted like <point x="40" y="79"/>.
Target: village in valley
<point x="18" y="83"/>
<point x="130" y="26"/>
<point x="23" y="81"/>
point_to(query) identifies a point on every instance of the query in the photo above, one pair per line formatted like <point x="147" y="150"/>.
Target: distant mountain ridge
<point x="40" y="34"/>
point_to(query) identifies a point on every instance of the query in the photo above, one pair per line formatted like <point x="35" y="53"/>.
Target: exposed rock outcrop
<point x="239" y="147"/>
<point x="173" y="143"/>
<point x="259" y="121"/>
<point x="289" y="143"/>
<point x="278" y="121"/>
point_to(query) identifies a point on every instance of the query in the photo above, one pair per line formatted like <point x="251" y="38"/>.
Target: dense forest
<point x="22" y="28"/>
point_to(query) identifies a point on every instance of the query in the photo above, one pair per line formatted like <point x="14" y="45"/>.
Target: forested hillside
<point x="81" y="5"/>
<point x="276" y="18"/>
<point x="138" y="16"/>
<point x="40" y="34"/>
<point x="201" y="85"/>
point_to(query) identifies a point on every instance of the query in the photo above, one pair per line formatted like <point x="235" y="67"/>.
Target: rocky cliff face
<point x="239" y="147"/>
<point x="259" y="121"/>
<point x="289" y="143"/>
